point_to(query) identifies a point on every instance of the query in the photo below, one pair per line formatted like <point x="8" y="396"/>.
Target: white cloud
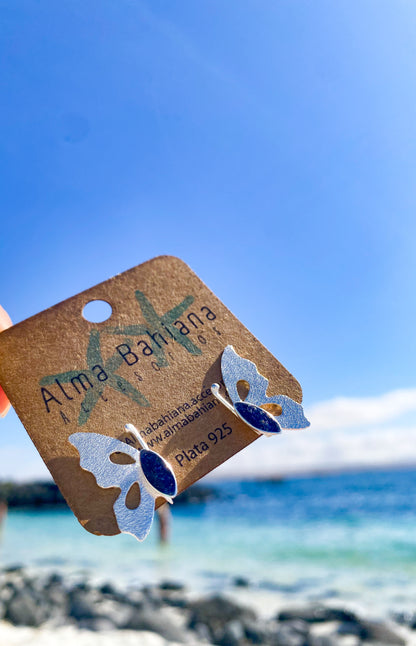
<point x="343" y="412"/>
<point x="344" y="432"/>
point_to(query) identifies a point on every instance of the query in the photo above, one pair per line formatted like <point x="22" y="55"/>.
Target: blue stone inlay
<point x="158" y="474"/>
<point x="257" y="417"/>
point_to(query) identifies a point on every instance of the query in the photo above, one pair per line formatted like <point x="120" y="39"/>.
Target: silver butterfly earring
<point x="149" y="470"/>
<point x="235" y="369"/>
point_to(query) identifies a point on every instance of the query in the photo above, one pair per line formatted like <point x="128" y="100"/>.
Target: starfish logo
<point x="98" y="373"/>
<point x="157" y="328"/>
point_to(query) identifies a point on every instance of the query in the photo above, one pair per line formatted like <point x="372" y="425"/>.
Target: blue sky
<point x="271" y="145"/>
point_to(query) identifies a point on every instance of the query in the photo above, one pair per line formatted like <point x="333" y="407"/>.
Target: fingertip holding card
<point x="5" y="322"/>
<point x="150" y="365"/>
<point x="4" y="403"/>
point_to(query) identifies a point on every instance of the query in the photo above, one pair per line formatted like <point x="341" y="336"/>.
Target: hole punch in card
<point x="135" y="385"/>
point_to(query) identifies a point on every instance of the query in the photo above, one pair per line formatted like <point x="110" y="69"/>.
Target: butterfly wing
<point x="292" y="415"/>
<point x="95" y="450"/>
<point x="234" y="369"/>
<point x="136" y="522"/>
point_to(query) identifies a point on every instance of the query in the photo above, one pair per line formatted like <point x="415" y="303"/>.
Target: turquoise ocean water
<point x="349" y="537"/>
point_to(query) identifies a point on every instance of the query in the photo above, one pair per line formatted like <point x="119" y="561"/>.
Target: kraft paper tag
<point x="150" y="364"/>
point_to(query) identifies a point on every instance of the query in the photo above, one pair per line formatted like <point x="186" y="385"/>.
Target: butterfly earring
<point x="253" y="409"/>
<point x="148" y="469"/>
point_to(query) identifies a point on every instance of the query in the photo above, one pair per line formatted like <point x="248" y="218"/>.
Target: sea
<point x="345" y="538"/>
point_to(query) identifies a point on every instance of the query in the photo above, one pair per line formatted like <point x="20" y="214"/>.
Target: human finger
<point x="5" y="322"/>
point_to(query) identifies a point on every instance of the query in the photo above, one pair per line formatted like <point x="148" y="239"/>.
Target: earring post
<point x="215" y="389"/>
<point x="133" y="430"/>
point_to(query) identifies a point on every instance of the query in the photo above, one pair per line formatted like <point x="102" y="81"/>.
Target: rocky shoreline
<point x="38" y="495"/>
<point x="173" y="614"/>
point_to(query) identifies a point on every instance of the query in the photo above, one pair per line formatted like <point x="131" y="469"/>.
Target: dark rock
<point x="57" y="601"/>
<point x="232" y="635"/>
<point x="118" y="613"/>
<point x="7" y="592"/>
<point x="241" y="582"/>
<point x="203" y="632"/>
<point x="316" y="614"/>
<point x="173" y="586"/>
<point x="25" y="610"/>
<point x="169" y="593"/>
<point x="14" y="583"/>
<point x="256" y="632"/>
<point x="349" y="628"/>
<point x="135" y="598"/>
<point x="404" y="618"/>
<point x="53" y="580"/>
<point x="83" y="603"/>
<point x="156" y="621"/>
<point x="153" y="596"/>
<point x="299" y="626"/>
<point x="215" y="612"/>
<point x="288" y="634"/>
<point x="108" y="588"/>
<point x="410" y="620"/>
<point x="109" y="592"/>
<point x="379" y="631"/>
<point x="175" y="600"/>
<point x="13" y="568"/>
<point x="82" y="585"/>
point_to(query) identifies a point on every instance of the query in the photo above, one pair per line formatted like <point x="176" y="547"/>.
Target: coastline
<point x="343" y="543"/>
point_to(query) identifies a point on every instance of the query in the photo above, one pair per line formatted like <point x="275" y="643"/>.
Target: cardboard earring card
<point x="150" y="364"/>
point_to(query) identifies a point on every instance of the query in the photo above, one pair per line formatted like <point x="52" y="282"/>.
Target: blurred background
<point x="272" y="146"/>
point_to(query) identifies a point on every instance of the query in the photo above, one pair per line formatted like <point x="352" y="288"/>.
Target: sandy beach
<point x="69" y="635"/>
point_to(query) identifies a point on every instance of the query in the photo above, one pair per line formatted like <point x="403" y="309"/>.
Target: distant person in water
<point x="3" y="514"/>
<point x="164" y="516"/>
